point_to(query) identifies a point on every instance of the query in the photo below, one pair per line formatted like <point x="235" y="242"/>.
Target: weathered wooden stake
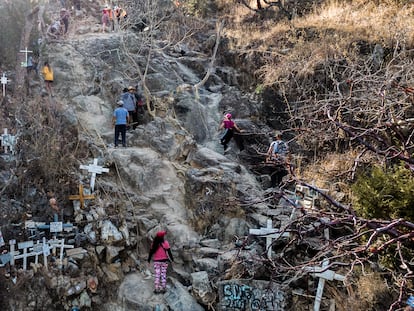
<point x="81" y="197"/>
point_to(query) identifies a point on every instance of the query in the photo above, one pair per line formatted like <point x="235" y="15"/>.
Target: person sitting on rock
<point x="278" y="150"/>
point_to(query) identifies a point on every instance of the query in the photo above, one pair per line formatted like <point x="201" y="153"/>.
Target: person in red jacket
<point x="161" y="254"/>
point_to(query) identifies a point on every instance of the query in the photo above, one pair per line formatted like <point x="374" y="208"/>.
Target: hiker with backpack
<point x="161" y="254"/>
<point x="278" y="150"/>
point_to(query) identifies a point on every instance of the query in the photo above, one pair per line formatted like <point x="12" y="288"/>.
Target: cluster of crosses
<point x="322" y="272"/>
<point x="46" y="247"/>
<point x="4" y="81"/>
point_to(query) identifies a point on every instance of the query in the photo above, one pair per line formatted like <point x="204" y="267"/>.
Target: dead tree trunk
<point x="21" y="72"/>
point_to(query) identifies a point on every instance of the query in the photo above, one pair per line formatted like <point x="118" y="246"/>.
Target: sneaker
<point x="163" y="290"/>
<point x="157" y="291"/>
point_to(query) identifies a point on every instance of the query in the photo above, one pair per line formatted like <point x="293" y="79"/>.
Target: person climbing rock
<point x="229" y="127"/>
<point x="64" y="19"/>
<point x="47" y="72"/>
<point x="120" y="121"/>
<point x="140" y="108"/>
<point x="161" y="254"/>
<point x="130" y="104"/>
<point x="278" y="150"/>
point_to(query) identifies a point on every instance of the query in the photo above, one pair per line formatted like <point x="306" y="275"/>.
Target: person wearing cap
<point x="161" y="255"/>
<point x="120" y="120"/>
<point x="229" y="127"/>
<point x="130" y="104"/>
<point x="278" y="149"/>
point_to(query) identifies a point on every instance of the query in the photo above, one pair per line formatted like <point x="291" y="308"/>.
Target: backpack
<point x="139" y="100"/>
<point x="129" y="101"/>
<point x="280" y="147"/>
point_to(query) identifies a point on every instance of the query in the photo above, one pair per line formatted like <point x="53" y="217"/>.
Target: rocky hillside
<point x="174" y="176"/>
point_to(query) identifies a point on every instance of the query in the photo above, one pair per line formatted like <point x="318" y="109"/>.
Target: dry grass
<point x="303" y="42"/>
<point x="369" y="293"/>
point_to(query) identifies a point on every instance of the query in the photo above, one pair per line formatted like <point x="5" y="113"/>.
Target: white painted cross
<point x="26" y="51"/>
<point x="269" y="233"/>
<point x="24" y="246"/>
<point x="324" y="275"/>
<point x="4" y="81"/>
<point x="94" y="169"/>
<point x="1" y="239"/>
<point x="7" y="141"/>
<point x="59" y="244"/>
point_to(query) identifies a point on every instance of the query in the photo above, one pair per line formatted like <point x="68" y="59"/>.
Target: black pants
<point x="228" y="135"/>
<point x="134" y="116"/>
<point x="120" y="129"/>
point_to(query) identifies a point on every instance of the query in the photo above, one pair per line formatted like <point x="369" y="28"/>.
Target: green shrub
<point x="385" y="193"/>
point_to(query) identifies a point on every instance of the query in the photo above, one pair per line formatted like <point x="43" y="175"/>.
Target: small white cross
<point x="59" y="244"/>
<point x="26" y="51"/>
<point x="1" y="239"/>
<point x="94" y="169"/>
<point x="324" y="275"/>
<point x="4" y="81"/>
<point x="24" y="246"/>
<point x="269" y="233"/>
<point x="7" y="141"/>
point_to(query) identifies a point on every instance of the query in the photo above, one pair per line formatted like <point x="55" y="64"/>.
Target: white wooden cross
<point x="269" y="233"/>
<point x="7" y="141"/>
<point x="24" y="246"/>
<point x="324" y="275"/>
<point x="4" y="81"/>
<point x="26" y="51"/>
<point x="59" y="244"/>
<point x="41" y="249"/>
<point x="94" y="169"/>
<point x="1" y="239"/>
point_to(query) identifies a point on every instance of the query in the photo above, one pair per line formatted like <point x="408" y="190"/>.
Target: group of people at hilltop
<point x="112" y="16"/>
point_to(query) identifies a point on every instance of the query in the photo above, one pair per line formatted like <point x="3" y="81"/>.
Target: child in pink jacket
<point x="161" y="254"/>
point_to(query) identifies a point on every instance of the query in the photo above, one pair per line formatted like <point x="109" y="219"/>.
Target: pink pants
<point x="160" y="268"/>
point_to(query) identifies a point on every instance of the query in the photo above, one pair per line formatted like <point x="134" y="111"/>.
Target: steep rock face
<point x="172" y="176"/>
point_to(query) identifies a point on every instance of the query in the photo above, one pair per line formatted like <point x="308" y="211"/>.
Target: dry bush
<point x="48" y="146"/>
<point x="370" y="292"/>
<point x="209" y="202"/>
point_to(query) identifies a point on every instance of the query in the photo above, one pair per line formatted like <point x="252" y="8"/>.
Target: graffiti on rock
<point x="242" y="297"/>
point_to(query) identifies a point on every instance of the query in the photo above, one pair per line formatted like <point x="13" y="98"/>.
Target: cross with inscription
<point x="7" y="141"/>
<point x="94" y="169"/>
<point x="269" y="233"/>
<point x="26" y="51"/>
<point x="324" y="275"/>
<point x="4" y="81"/>
<point x="82" y="196"/>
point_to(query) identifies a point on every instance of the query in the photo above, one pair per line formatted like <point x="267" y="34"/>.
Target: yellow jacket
<point x="47" y="73"/>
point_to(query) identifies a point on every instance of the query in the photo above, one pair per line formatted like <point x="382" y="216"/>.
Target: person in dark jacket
<point x="161" y="254"/>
